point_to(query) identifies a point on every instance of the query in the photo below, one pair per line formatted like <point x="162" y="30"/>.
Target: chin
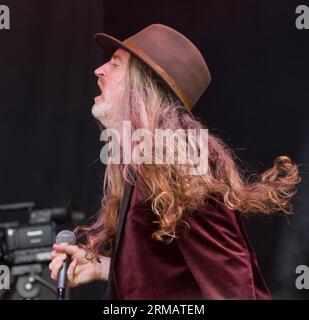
<point x="95" y="110"/>
<point x="97" y="114"/>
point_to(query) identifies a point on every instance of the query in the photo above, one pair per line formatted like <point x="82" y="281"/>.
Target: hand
<point x="80" y="270"/>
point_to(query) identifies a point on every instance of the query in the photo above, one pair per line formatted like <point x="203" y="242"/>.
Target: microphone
<point x="64" y="237"/>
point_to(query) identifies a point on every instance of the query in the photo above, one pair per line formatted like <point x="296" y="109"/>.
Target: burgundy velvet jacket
<point x="214" y="260"/>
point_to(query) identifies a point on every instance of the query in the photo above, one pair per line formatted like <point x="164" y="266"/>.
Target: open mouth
<point x="100" y="87"/>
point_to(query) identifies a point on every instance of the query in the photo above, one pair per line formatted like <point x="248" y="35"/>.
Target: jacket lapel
<point x="111" y="290"/>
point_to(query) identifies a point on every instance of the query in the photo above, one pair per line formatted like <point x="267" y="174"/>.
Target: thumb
<point x="68" y="249"/>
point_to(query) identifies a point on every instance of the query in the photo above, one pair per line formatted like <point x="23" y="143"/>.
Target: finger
<point x="71" y="272"/>
<point x="68" y="249"/>
<point x="57" y="259"/>
<point x="56" y="269"/>
<point x="54" y="254"/>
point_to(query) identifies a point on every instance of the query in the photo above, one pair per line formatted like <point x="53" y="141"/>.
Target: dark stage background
<point x="258" y="102"/>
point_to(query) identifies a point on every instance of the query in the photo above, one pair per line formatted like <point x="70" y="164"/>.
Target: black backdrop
<point x="258" y="102"/>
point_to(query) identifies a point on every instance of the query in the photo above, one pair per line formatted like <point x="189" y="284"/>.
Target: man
<point x="183" y="236"/>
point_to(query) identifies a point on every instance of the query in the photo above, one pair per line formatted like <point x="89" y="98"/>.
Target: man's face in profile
<point x="108" y="108"/>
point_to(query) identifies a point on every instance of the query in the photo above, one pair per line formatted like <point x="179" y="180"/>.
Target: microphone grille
<point x="66" y="237"/>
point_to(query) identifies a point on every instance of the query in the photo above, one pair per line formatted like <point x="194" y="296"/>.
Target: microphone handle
<point x="62" y="280"/>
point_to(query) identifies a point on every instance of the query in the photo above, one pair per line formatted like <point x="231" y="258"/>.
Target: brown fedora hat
<point x="173" y="57"/>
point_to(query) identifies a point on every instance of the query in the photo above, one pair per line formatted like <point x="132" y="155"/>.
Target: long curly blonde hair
<point x="171" y="191"/>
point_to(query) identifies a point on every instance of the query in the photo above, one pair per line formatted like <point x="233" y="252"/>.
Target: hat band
<point x="165" y="76"/>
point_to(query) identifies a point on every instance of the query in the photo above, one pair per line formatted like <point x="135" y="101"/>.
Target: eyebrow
<point x="116" y="57"/>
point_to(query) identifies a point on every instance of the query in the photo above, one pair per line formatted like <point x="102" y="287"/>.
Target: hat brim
<point x="109" y="44"/>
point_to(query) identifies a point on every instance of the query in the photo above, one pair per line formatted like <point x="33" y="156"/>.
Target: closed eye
<point x="115" y="58"/>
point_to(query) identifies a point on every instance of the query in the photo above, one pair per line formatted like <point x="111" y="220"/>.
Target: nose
<point x="100" y="71"/>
